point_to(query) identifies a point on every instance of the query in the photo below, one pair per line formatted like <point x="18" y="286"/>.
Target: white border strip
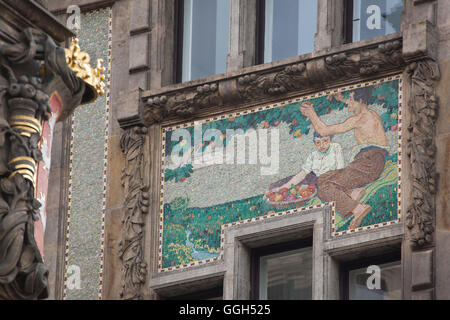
<point x="69" y="204"/>
<point x="106" y="149"/>
<point x="105" y="166"/>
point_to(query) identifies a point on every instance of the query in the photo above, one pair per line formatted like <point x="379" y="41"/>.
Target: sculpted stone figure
<point x="344" y="186"/>
<point x="29" y="71"/>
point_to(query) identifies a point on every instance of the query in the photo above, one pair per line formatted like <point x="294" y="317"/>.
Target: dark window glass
<point x="209" y="294"/>
<point x="363" y="285"/>
<point x="373" y="278"/>
<point x="373" y="18"/>
<point x="205" y="31"/>
<point x="289" y="28"/>
<point x="283" y="272"/>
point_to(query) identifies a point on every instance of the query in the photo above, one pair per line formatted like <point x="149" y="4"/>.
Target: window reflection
<point x="286" y="275"/>
<point x="290" y="26"/>
<point x="373" y="18"/>
<point x="390" y="285"/>
<point x="205" y="38"/>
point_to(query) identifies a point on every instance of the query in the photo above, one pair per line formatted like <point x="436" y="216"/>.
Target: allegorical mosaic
<point x="337" y="148"/>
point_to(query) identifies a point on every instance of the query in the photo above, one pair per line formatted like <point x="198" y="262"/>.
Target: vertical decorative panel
<point x="87" y="180"/>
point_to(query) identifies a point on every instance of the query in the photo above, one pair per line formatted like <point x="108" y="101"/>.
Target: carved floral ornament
<point x="421" y="150"/>
<point x="296" y="77"/>
<point x="131" y="246"/>
<point x="78" y="61"/>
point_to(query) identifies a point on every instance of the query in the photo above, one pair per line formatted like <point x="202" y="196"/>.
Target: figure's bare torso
<point x="369" y="129"/>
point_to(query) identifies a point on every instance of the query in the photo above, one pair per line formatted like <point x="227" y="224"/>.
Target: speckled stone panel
<point x="84" y="243"/>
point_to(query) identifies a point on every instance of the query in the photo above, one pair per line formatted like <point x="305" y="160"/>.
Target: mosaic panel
<point x="339" y="148"/>
<point x="87" y="175"/>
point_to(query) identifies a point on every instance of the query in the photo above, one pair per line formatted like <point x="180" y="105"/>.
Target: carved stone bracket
<point x="131" y="245"/>
<point x="181" y="105"/>
<point x="311" y="74"/>
<point x="421" y="150"/>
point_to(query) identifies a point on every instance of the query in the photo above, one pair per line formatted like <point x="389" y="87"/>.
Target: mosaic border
<point x="278" y="214"/>
<point x="105" y="159"/>
<point x="69" y="203"/>
<point x="105" y="166"/>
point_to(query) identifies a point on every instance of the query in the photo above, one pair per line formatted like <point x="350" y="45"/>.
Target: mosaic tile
<point x="84" y="234"/>
<point x="199" y="199"/>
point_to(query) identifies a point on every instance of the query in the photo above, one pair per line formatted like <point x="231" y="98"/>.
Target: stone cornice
<point x="269" y="82"/>
<point x="22" y="14"/>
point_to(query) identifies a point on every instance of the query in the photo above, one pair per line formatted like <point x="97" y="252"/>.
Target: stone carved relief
<point x="421" y="150"/>
<point x="131" y="245"/>
<point x="27" y="71"/>
<point x="314" y="73"/>
<point x="181" y="105"/>
<point x="319" y="72"/>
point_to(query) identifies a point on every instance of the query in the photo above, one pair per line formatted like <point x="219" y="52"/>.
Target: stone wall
<point x="142" y="58"/>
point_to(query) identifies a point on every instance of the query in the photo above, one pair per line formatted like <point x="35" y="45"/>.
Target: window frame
<point x="346" y="267"/>
<point x="178" y="30"/>
<point x="207" y="294"/>
<point x="260" y="33"/>
<point x="260" y="11"/>
<point x="178" y="23"/>
<point x="257" y="253"/>
<point x="348" y="23"/>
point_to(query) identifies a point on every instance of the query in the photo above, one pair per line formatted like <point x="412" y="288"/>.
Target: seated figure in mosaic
<point x="328" y="156"/>
<point x="345" y="186"/>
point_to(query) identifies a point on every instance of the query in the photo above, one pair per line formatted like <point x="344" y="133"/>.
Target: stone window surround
<point x="234" y="270"/>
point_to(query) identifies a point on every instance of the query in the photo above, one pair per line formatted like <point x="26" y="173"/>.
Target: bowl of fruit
<point x="295" y="195"/>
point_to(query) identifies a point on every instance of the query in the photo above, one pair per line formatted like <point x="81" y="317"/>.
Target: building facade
<point x="255" y="150"/>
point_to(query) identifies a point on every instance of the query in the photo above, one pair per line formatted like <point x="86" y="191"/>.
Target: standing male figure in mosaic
<point x="345" y="186"/>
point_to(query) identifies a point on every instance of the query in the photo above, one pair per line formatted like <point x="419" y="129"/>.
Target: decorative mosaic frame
<point x="105" y="154"/>
<point x="104" y="171"/>
<point x="69" y="203"/>
<point x="291" y="211"/>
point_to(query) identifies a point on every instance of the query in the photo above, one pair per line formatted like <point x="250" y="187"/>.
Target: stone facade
<point x="144" y="100"/>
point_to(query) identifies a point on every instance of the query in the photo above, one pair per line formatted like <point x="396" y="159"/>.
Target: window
<point x="209" y="294"/>
<point x="367" y="19"/>
<point x="283" y="272"/>
<point x="373" y="279"/>
<point x="288" y="29"/>
<point x="202" y="38"/>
